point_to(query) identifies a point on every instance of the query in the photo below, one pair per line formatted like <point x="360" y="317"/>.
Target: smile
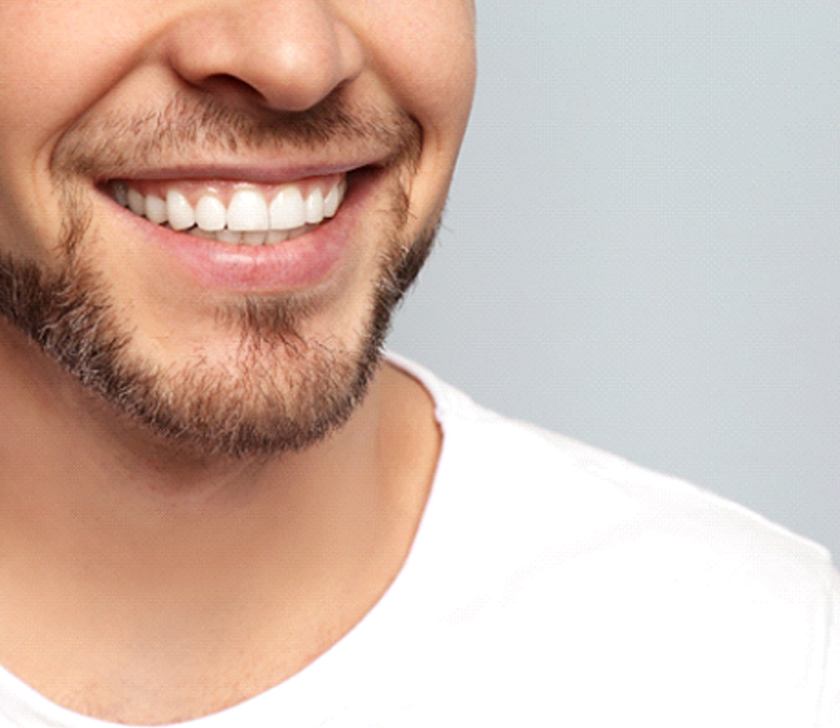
<point x="226" y="231"/>
<point x="235" y="213"/>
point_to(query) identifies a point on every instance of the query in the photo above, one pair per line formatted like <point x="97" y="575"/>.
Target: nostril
<point x="226" y="84"/>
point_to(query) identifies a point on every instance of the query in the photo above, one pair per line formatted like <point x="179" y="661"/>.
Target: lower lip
<point x="293" y="264"/>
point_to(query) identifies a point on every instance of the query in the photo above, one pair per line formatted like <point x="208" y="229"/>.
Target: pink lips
<point x="298" y="263"/>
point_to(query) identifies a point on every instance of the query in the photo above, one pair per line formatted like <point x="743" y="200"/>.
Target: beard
<point x="282" y="390"/>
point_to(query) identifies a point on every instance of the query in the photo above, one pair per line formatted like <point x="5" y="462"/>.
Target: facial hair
<point x="284" y="390"/>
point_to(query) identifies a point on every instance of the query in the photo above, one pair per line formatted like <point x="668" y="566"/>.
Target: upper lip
<point x="259" y="173"/>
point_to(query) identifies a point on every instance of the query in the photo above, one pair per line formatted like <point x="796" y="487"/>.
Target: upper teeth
<point x="287" y="208"/>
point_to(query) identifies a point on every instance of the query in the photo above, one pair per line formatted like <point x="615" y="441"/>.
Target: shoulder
<point x="634" y="575"/>
<point x="565" y="493"/>
<point x="559" y="485"/>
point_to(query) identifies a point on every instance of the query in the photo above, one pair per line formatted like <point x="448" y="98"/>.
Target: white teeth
<point x="277" y="236"/>
<point x="136" y="203"/>
<point x="252" y="237"/>
<point x="227" y="236"/>
<point x="296" y="232"/>
<point x="199" y="233"/>
<point x="315" y="206"/>
<point x="287" y="209"/>
<point x="210" y="213"/>
<point x="331" y="202"/>
<point x="255" y="237"/>
<point x="248" y="218"/>
<point x="179" y="211"/>
<point x="156" y="209"/>
<point x="247" y="211"/>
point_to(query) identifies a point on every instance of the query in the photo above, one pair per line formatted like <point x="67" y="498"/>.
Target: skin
<point x="236" y="571"/>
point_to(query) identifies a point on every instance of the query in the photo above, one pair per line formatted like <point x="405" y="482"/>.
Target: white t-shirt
<point x="554" y="584"/>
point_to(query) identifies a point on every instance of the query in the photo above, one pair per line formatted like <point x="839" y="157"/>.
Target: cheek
<point x="428" y="60"/>
<point x="427" y="56"/>
<point x="61" y="58"/>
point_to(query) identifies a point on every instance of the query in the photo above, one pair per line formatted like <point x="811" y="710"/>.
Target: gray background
<point x="641" y="244"/>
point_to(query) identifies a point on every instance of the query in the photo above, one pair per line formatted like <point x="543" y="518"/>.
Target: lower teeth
<point x="256" y="237"/>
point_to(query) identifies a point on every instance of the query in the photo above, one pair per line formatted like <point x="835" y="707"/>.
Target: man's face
<point x="161" y="167"/>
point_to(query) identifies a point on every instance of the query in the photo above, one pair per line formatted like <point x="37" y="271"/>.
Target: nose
<point x="282" y="54"/>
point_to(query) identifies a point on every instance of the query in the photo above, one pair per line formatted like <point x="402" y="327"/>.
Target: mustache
<point x="194" y="125"/>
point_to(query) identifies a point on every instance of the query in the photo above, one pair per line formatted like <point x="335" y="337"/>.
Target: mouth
<point x="247" y="234"/>
<point x="234" y="212"/>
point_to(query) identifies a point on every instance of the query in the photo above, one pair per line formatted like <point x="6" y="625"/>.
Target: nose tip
<point x="286" y="55"/>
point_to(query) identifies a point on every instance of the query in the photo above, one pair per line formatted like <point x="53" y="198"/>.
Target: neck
<point x="67" y="459"/>
<point x="87" y="514"/>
